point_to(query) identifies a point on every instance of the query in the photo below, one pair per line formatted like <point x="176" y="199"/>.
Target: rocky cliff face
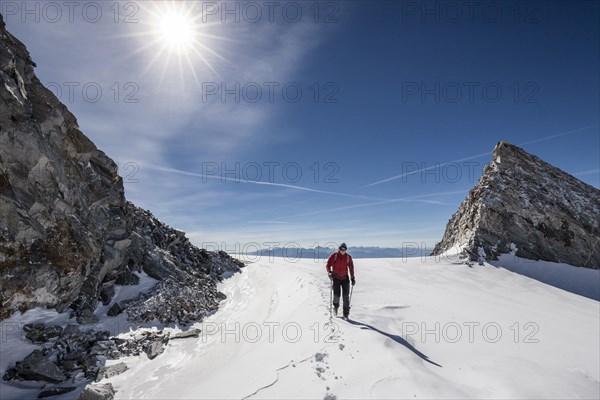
<point x="525" y="204"/>
<point x="66" y="231"/>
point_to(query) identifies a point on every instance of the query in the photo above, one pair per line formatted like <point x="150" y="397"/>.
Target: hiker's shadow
<point x="396" y="338"/>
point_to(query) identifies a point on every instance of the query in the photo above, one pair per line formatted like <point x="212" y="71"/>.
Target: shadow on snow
<point x="396" y="338"/>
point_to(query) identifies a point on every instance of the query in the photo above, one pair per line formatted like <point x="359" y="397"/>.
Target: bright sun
<point x="176" y="37"/>
<point x="177" y="30"/>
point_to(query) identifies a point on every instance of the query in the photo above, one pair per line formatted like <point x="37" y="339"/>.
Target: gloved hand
<point x="330" y="274"/>
<point x="353" y="281"/>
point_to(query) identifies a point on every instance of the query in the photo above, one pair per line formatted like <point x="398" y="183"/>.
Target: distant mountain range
<point x="355" y="252"/>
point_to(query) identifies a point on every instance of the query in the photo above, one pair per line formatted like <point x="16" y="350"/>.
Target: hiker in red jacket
<point x="338" y="265"/>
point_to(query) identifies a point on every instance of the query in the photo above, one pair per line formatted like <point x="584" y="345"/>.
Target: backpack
<point x="335" y="257"/>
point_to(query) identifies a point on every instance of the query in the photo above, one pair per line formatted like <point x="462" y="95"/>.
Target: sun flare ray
<point x="175" y="34"/>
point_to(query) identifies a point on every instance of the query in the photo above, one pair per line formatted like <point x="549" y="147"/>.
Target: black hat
<point x="343" y="246"/>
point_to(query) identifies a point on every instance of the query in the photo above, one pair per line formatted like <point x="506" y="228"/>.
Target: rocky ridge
<point x="69" y="239"/>
<point x="67" y="233"/>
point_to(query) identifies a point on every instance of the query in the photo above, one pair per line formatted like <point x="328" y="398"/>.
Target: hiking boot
<point x="335" y="309"/>
<point x="346" y="313"/>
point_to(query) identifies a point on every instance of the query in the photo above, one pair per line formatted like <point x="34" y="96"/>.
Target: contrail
<point x="425" y="169"/>
<point x="284" y="185"/>
<point x="477" y="156"/>
<point x="418" y="198"/>
<point x="379" y="201"/>
<point x="558" y="135"/>
<point x="587" y="172"/>
<point x="267" y="222"/>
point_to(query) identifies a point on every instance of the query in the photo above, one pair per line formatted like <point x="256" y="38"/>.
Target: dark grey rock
<point x="98" y="392"/>
<point x="107" y="292"/>
<point x="72" y="355"/>
<point x="10" y="374"/>
<point x="186" y="334"/>
<point x="102" y="347"/>
<point x="524" y="204"/>
<point x="100" y="335"/>
<point x="40" y="333"/>
<point x="36" y="367"/>
<point x="55" y="391"/>
<point x="89" y="362"/>
<point x="80" y="353"/>
<point x="69" y="330"/>
<point x="70" y="365"/>
<point x="155" y="348"/>
<point x="153" y="266"/>
<point x="220" y="296"/>
<point x="34" y="326"/>
<point x="126" y="277"/>
<point x="111" y="370"/>
<point x="86" y="316"/>
<point x="114" y="310"/>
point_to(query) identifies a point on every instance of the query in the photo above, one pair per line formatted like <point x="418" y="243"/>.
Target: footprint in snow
<point x="320" y="371"/>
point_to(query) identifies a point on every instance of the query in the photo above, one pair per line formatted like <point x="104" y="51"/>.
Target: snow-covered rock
<point x="525" y="206"/>
<point x="111" y="370"/>
<point x="98" y="392"/>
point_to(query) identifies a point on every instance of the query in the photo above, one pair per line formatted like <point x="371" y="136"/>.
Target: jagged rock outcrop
<point x="76" y="355"/>
<point x="525" y="204"/>
<point x="37" y="367"/>
<point x="61" y="200"/>
<point x="67" y="234"/>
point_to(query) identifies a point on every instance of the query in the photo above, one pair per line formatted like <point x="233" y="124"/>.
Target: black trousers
<point x="343" y="286"/>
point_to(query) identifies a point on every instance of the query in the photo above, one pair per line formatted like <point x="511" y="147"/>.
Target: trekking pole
<point x="350" y="299"/>
<point x="330" y="298"/>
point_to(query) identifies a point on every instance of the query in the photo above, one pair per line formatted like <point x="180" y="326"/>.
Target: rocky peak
<point x="523" y="204"/>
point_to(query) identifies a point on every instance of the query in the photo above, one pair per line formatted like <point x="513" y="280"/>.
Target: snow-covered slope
<point x="423" y="328"/>
<point x="582" y="281"/>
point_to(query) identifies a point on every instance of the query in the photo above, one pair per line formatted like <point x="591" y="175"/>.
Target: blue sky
<point x="387" y="88"/>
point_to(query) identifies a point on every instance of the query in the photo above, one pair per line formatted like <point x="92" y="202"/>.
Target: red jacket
<point x="340" y="264"/>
